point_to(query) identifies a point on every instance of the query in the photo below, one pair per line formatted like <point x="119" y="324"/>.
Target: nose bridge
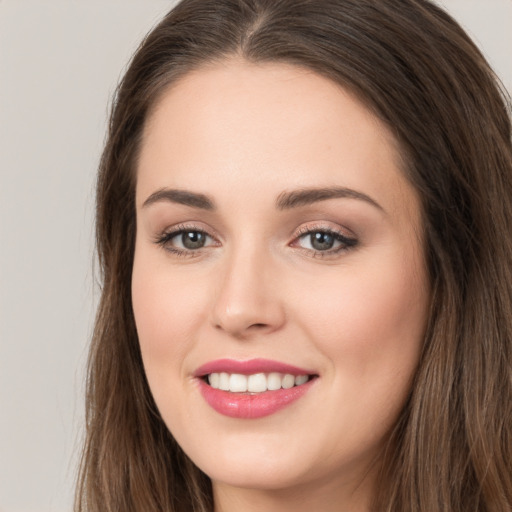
<point x="247" y="299"/>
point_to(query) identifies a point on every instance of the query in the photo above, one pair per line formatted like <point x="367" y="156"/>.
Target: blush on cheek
<point x="166" y="314"/>
<point x="373" y="322"/>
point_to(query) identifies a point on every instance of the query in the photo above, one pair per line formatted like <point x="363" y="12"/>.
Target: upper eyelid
<point x="179" y="228"/>
<point x="303" y="230"/>
<point x="311" y="228"/>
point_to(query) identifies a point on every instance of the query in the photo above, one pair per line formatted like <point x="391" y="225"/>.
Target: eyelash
<point x="346" y="243"/>
<point x="165" y="238"/>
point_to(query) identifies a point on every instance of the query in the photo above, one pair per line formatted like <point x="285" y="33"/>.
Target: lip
<point x="251" y="405"/>
<point x="249" y="367"/>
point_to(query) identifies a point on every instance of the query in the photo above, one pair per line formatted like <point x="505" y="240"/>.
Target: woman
<point x="303" y="222"/>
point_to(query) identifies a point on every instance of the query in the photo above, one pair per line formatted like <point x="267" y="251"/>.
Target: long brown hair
<point x="411" y="64"/>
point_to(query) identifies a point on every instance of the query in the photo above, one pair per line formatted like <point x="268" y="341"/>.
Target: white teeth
<point x="274" y="381"/>
<point x="224" y="381"/>
<point x="214" y="379"/>
<point x="288" y="381"/>
<point x="255" y="383"/>
<point x="237" y="383"/>
<point x="301" y="379"/>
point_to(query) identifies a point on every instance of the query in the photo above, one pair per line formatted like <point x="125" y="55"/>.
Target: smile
<point x="255" y="383"/>
<point x="252" y="389"/>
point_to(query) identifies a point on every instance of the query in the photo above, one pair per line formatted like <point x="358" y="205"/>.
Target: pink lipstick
<point x="252" y="389"/>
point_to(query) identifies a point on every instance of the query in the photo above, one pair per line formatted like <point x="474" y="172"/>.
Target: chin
<point x="251" y="462"/>
<point x="244" y="474"/>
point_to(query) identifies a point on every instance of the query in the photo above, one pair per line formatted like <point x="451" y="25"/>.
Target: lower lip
<point x="251" y="406"/>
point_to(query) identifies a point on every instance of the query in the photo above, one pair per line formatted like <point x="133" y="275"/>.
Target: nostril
<point x="259" y="326"/>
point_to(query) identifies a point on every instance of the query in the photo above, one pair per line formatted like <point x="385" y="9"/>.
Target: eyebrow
<point x="285" y="200"/>
<point x="184" y="197"/>
<point x="307" y="196"/>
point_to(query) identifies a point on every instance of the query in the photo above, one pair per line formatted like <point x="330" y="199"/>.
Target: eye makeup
<point x="323" y="241"/>
<point x="317" y="240"/>
<point x="185" y="240"/>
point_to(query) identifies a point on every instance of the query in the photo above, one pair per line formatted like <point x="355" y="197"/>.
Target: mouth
<point x="255" y="383"/>
<point x="252" y="389"/>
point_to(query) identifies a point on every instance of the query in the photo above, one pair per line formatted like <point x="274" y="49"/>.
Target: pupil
<point x="193" y="240"/>
<point x="322" y="241"/>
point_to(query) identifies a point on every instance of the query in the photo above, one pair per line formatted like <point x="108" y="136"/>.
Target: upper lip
<point x="249" y="367"/>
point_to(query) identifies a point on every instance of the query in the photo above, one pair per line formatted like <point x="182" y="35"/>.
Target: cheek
<point x="369" y="322"/>
<point x="370" y="328"/>
<point x="166" y="316"/>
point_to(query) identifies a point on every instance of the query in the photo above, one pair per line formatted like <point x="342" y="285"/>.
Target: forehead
<point x="237" y="124"/>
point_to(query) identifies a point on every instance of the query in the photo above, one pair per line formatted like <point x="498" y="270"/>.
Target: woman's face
<point x="278" y="244"/>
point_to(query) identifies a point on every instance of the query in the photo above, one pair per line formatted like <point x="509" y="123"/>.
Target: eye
<point x="190" y="240"/>
<point x="324" y="241"/>
<point x="185" y="240"/>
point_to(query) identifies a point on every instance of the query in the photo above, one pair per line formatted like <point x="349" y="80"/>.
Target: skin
<point x="244" y="134"/>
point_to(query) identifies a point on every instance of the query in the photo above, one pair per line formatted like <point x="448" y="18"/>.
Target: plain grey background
<point x="59" y="64"/>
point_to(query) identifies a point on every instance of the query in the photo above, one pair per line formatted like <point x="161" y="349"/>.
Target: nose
<point x="248" y="300"/>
